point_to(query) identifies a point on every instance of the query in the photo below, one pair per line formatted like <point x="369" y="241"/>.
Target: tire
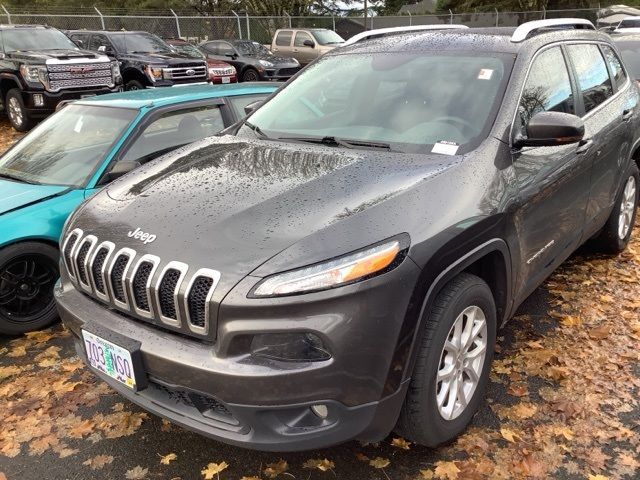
<point x="28" y="272"/>
<point x="250" y="75"/>
<point x="616" y="233"/>
<point x="422" y="420"/>
<point x="16" y="111"/>
<point x="134" y="85"/>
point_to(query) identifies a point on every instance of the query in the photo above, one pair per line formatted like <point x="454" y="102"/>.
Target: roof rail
<point x="526" y="29"/>
<point x="381" y="32"/>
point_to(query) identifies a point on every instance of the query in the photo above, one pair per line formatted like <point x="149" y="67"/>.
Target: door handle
<point x="627" y="114"/>
<point x="584" y="146"/>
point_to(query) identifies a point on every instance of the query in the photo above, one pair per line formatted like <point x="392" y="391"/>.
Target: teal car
<point x="75" y="152"/>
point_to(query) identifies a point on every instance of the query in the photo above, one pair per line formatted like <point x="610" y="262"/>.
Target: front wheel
<point x="453" y="363"/>
<point x="250" y="75"/>
<point x="16" y="111"/>
<point x="28" y="273"/>
<point x="617" y="231"/>
<point x="133" y="85"/>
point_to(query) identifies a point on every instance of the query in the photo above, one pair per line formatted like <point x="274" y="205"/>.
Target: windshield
<point x="631" y="55"/>
<point x="139" y="43"/>
<point x="66" y="148"/>
<point x="413" y="102"/>
<point x="327" y="37"/>
<point x="189" y="50"/>
<point x="16" y="40"/>
<point x="251" y="48"/>
<point x="630" y="23"/>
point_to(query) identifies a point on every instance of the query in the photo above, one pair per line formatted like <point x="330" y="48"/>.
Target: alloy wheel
<point x="15" y="111"/>
<point x="627" y="208"/>
<point x="461" y="362"/>
<point x="26" y="286"/>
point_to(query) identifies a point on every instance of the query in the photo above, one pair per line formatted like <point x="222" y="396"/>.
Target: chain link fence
<point x="198" y="28"/>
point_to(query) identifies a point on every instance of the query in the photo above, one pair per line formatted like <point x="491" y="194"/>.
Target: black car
<point x="629" y="46"/>
<point x="338" y="265"/>
<point x="40" y="68"/>
<point x="145" y="59"/>
<point x="253" y="61"/>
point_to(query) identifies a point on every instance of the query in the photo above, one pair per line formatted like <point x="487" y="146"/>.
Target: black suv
<point x="145" y="59"/>
<point x="338" y="265"/>
<point x="40" y="67"/>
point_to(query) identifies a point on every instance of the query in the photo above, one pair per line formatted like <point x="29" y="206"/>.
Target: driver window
<point x="547" y="88"/>
<point x="301" y="37"/>
<point x="225" y="49"/>
<point x="175" y="129"/>
<point x="98" y="41"/>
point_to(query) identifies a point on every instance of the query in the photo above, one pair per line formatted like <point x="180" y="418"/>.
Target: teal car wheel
<point x="28" y="273"/>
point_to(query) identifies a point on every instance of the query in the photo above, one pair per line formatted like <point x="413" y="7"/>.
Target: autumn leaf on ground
<point x="167" y="459"/>
<point x="600" y="333"/>
<point x="275" y="469"/>
<point x="401" y="443"/>
<point x="99" y="461"/>
<point x="136" y="473"/>
<point x="250" y="478"/>
<point x="322" y="465"/>
<point x="19" y="351"/>
<point x="509" y="435"/>
<point x="523" y="410"/>
<point x="446" y="470"/>
<point x="598" y="477"/>
<point x="571" y="321"/>
<point x="427" y="474"/>
<point x="213" y="469"/>
<point x="362" y="457"/>
<point x="379" y="462"/>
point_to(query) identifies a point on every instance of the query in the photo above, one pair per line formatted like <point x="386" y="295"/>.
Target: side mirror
<point x="252" y="107"/>
<point x="102" y="49"/>
<point x="121" y="168"/>
<point x="309" y="43"/>
<point x="231" y="55"/>
<point x="549" y="129"/>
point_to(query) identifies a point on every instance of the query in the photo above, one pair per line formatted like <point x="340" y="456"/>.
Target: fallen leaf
<point x="322" y="465"/>
<point x="19" y="351"/>
<point x="427" y="474"/>
<point x="600" y="333"/>
<point x="362" y="457"/>
<point x="379" y="462"/>
<point x="447" y="470"/>
<point x="167" y="459"/>
<point x="136" y="473"/>
<point x="401" y="443"/>
<point x="213" y="469"/>
<point x="274" y="469"/>
<point x="508" y="435"/>
<point x="98" y="462"/>
<point x="598" y="477"/>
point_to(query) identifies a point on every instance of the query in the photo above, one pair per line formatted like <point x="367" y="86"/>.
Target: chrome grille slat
<point x="197" y="299"/>
<point x="68" y="250"/>
<point x="180" y="73"/>
<point x="159" y="291"/>
<point x="81" y="260"/>
<point x="98" y="266"/>
<point x="78" y="75"/>
<point x="116" y="276"/>
<point x="141" y="281"/>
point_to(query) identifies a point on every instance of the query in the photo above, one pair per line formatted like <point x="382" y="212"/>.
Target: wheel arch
<point x="134" y="74"/>
<point x="45" y="240"/>
<point x="7" y="82"/>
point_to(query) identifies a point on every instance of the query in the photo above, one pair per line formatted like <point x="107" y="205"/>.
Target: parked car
<point x="628" y="25"/>
<point x="388" y="32"/>
<point x="40" y="67"/>
<point x="72" y="155"/>
<point x="252" y="60"/>
<point x="219" y="71"/>
<point x="629" y="46"/>
<point x="335" y="270"/>
<point x="145" y="59"/>
<point x="305" y="44"/>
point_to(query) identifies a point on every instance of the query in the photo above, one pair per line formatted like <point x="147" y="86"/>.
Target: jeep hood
<point x="232" y="204"/>
<point x="15" y="195"/>
<point x="41" y="56"/>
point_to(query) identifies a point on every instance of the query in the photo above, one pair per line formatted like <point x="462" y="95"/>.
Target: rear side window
<point x="548" y="87"/>
<point x="211" y="47"/>
<point x="284" y="38"/>
<point x="593" y="76"/>
<point x="619" y="77"/>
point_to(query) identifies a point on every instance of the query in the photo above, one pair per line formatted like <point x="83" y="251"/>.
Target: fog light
<point x="38" y="100"/>
<point x="320" y="410"/>
<point x="289" y="347"/>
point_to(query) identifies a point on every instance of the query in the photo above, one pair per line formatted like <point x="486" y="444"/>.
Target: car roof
<point x="26" y="27"/>
<point x="493" y="39"/>
<point x="160" y="97"/>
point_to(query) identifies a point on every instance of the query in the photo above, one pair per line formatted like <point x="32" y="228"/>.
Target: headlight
<point x="154" y="73"/>
<point x="33" y="73"/>
<point x="341" y="271"/>
<point x="265" y="63"/>
<point x="116" y="70"/>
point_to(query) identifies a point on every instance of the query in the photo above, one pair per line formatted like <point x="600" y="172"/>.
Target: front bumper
<point x="50" y="100"/>
<point x="265" y="404"/>
<point x="280" y="73"/>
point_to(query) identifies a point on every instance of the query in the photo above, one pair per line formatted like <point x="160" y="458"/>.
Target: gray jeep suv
<point x="337" y="265"/>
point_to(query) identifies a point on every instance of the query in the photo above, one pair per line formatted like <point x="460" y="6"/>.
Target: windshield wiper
<point x="18" y="179"/>
<point x="340" y="142"/>
<point x="257" y="129"/>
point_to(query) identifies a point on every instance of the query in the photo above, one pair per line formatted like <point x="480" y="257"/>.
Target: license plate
<point x="110" y="359"/>
<point x="226" y="80"/>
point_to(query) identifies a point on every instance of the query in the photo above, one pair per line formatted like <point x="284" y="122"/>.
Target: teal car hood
<point x="15" y="195"/>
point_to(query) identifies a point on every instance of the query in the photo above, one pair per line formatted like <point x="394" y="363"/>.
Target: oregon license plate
<point x="110" y="359"/>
